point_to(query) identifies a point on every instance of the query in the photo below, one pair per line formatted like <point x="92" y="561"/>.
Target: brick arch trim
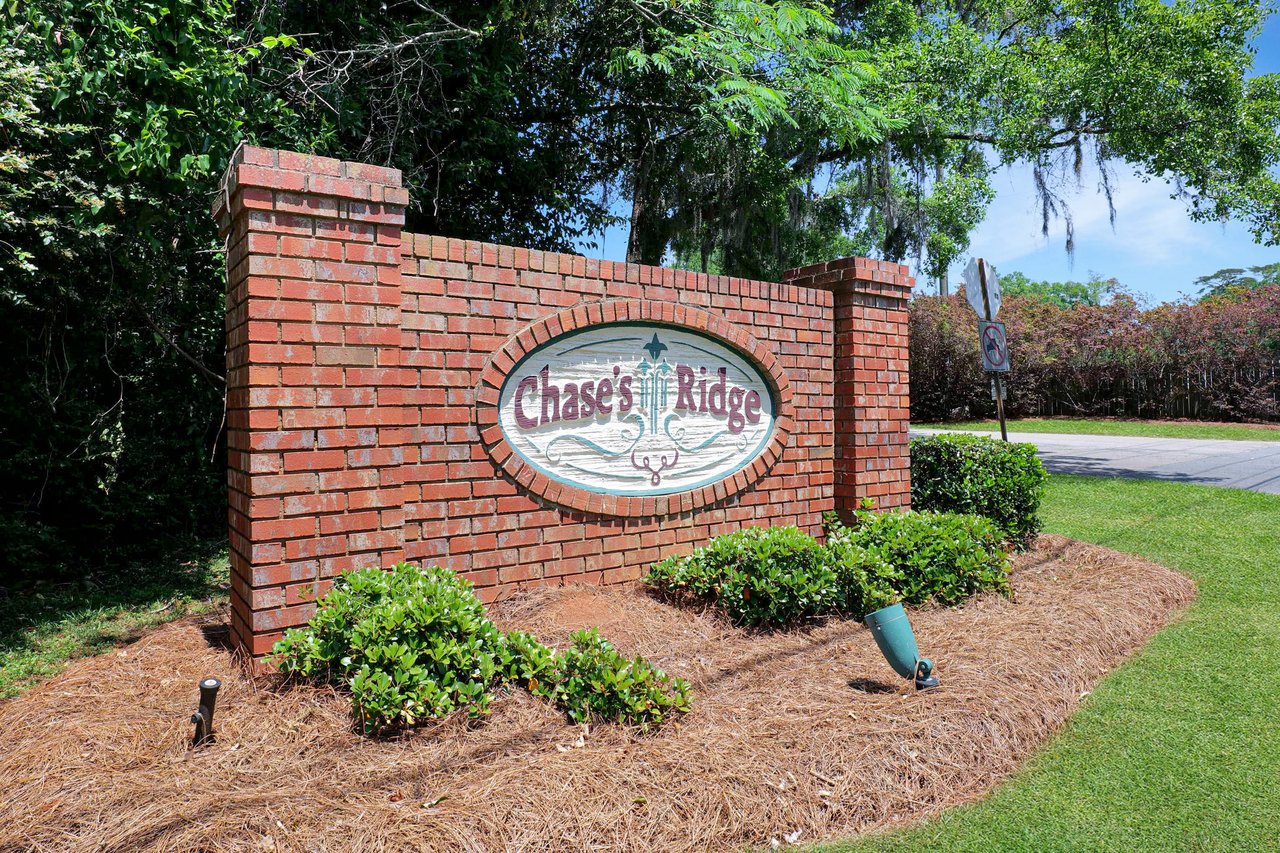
<point x="529" y="338"/>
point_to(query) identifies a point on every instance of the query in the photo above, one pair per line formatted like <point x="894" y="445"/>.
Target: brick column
<point x="315" y="415"/>
<point x="872" y="393"/>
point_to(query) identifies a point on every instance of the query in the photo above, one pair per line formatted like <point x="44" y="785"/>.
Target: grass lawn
<point x="44" y="626"/>
<point x="1178" y="749"/>
<point x="1150" y="429"/>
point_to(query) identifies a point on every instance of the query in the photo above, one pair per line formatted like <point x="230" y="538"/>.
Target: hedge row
<point x="772" y="577"/>
<point x="998" y="480"/>
<point x="1215" y="359"/>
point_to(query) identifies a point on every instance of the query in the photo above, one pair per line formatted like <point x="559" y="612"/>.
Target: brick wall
<point x="361" y="366"/>
<point x="315" y="417"/>
<point x="872" y="387"/>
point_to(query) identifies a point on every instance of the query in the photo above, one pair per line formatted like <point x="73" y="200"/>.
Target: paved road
<point x="1253" y="465"/>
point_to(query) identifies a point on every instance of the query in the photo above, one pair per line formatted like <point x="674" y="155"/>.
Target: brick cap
<point x="883" y="278"/>
<point x="624" y="310"/>
<point x="276" y="176"/>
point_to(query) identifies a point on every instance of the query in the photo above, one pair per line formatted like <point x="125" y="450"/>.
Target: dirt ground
<point x="797" y="736"/>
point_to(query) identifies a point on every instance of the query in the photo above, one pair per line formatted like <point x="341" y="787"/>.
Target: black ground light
<point x="203" y="718"/>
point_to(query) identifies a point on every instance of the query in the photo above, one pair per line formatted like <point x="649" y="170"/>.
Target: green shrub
<point x="916" y="557"/>
<point x="980" y="476"/>
<point x="759" y="576"/>
<point x="774" y="577"/>
<point x="410" y="643"/>
<point x="865" y="579"/>
<point x="414" y="643"/>
<point x="595" y="681"/>
<point x="526" y="662"/>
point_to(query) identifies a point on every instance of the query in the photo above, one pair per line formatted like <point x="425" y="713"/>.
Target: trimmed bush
<point x="759" y="576"/>
<point x="596" y="681"/>
<point x="413" y="644"/>
<point x="865" y="579"/>
<point x="980" y="476"/>
<point x="773" y="577"/>
<point x="410" y="643"/>
<point x="526" y="662"/>
<point x="917" y="557"/>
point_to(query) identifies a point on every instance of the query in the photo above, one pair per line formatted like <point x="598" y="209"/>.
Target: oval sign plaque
<point x="636" y="408"/>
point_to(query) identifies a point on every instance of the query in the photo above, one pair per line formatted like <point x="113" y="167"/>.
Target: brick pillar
<point x="315" y="421"/>
<point x="872" y="393"/>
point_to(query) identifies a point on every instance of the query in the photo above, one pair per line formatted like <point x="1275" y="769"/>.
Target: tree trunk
<point x="944" y="283"/>
<point x="648" y="239"/>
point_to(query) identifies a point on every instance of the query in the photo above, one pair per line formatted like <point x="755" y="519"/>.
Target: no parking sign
<point x="995" y="349"/>
<point x="982" y="288"/>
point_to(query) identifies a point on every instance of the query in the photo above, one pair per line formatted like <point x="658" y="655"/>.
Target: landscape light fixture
<point x="203" y="717"/>
<point x="897" y="642"/>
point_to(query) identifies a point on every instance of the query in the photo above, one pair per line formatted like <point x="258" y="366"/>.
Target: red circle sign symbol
<point x="993" y="346"/>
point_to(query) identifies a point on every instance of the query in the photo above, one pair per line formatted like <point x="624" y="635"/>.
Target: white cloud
<point x="1150" y="226"/>
<point x="1155" y="247"/>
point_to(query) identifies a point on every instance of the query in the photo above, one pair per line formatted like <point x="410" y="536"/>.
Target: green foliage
<point x="28" y="171"/>
<point x="524" y="661"/>
<point x="918" y="557"/>
<point x="1236" y="282"/>
<point x="761" y="64"/>
<point x="595" y="681"/>
<point x="956" y="203"/>
<point x="746" y="137"/>
<point x="998" y="480"/>
<point x="773" y="577"/>
<point x="965" y="88"/>
<point x="865" y="578"/>
<point x="760" y="576"/>
<point x="116" y="119"/>
<point x="1061" y="293"/>
<point x="413" y="644"/>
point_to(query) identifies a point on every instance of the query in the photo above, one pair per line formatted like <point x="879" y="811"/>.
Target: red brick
<point x="282" y="484"/>
<point x="354" y="420"/>
<point x="281" y="267"/>
<point x="309" y="163"/>
<point x="276" y="179"/>
<point x="315" y="460"/>
<point x="373" y="174"/>
<point x="302" y="549"/>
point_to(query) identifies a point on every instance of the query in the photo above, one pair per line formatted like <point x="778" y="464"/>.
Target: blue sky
<point x="1155" y="248"/>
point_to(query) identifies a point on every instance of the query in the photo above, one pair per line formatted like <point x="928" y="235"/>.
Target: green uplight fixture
<point x="892" y="630"/>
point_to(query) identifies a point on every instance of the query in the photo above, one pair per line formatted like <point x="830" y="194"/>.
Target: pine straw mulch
<point x="795" y="736"/>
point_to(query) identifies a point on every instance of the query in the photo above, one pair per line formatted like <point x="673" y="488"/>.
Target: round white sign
<point x="633" y="408"/>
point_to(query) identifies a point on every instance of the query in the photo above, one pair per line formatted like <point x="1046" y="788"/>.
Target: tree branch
<point x="155" y="327"/>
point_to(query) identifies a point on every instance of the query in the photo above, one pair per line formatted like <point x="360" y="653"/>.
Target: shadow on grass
<point x="45" y="624"/>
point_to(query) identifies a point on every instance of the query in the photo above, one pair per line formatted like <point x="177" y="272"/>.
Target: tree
<point x="1159" y="86"/>
<point x="969" y="86"/>
<point x="768" y="133"/>
<point x="118" y="118"/>
<point x="1094" y="292"/>
<point x="525" y="124"/>
<point x="743" y="136"/>
<point x="1234" y="282"/>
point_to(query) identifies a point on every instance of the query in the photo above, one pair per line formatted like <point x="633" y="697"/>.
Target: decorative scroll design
<point x="619" y="409"/>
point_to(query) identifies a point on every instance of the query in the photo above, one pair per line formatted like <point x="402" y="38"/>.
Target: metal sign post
<point x="982" y="289"/>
